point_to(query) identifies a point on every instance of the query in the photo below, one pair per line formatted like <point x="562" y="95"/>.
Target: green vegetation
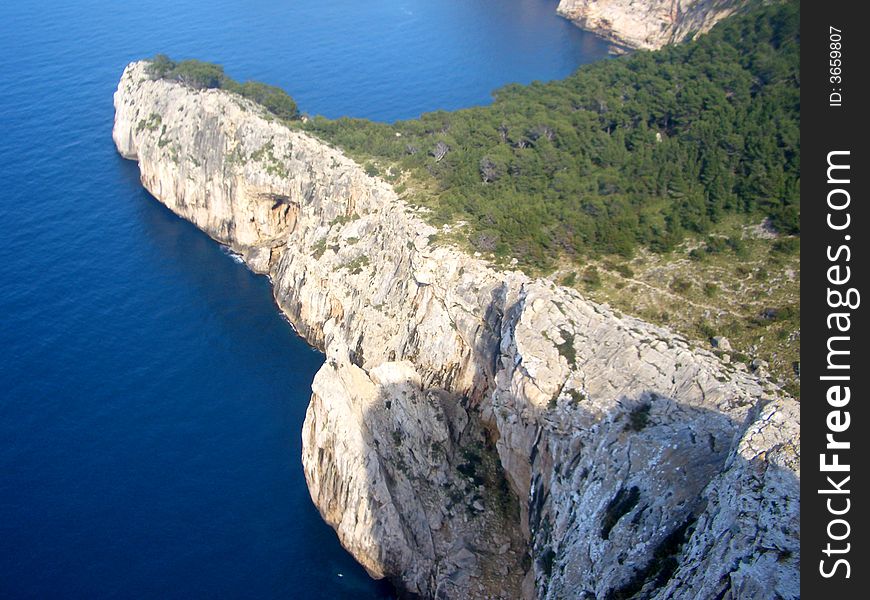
<point x="577" y="396"/>
<point x="640" y="180"/>
<point x="317" y="251"/>
<point x="356" y="265"/>
<point x="638" y="418"/>
<point x="274" y="165"/>
<point x="203" y="75"/>
<point x="566" y="348"/>
<point x="629" y="152"/>
<point x="591" y="277"/>
<point x="639" y="151"/>
<point x="748" y="291"/>
<point x="471" y="466"/>
<point x="151" y="123"/>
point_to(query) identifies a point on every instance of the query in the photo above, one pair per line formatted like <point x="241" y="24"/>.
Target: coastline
<point x="435" y="332"/>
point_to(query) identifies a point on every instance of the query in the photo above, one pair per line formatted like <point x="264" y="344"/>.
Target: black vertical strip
<point x="834" y="272"/>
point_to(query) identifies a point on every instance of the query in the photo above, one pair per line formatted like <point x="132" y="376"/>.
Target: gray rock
<point x="439" y="369"/>
<point x="757" y="364"/>
<point x="721" y="343"/>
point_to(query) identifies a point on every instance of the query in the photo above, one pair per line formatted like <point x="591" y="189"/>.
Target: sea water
<point x="151" y="396"/>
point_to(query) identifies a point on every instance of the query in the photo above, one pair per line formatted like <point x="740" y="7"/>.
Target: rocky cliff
<point x="474" y="432"/>
<point x="647" y="25"/>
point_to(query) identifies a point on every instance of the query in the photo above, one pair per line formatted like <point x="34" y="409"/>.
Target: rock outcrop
<point x="475" y="432"/>
<point x="647" y="25"/>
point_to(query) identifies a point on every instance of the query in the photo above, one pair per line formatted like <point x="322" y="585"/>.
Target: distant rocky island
<point x="648" y="25"/>
<point x="474" y="431"/>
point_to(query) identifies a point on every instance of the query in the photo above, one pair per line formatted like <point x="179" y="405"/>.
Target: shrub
<point x="566" y="348"/>
<point x="716" y="245"/>
<point x="591" y="277"/>
<point x="272" y="98"/>
<point x="681" y="285"/>
<point x="193" y="73"/>
<point x="638" y="418"/>
<point x="738" y="246"/>
<point x="199" y="75"/>
<point x="786" y="246"/>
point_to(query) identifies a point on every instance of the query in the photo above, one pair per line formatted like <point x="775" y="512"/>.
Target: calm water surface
<point x="151" y="396"/>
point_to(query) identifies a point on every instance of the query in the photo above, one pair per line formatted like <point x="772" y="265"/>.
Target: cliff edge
<point x="647" y="25"/>
<point x="478" y="433"/>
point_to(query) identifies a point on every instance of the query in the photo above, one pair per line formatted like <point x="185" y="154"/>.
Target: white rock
<point x="413" y="370"/>
<point x="721" y="343"/>
<point x="650" y="24"/>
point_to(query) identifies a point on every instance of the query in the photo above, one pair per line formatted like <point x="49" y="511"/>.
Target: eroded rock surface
<point x="647" y="24"/>
<point x="473" y="432"/>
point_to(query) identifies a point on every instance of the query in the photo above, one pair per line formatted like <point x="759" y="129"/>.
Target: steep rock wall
<point x="473" y="432"/>
<point x="649" y="24"/>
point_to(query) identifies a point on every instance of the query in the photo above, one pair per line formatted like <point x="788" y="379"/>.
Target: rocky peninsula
<point x="647" y="25"/>
<point x="477" y="433"/>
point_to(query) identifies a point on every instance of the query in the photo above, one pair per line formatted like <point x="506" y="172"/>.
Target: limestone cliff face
<point x="473" y="432"/>
<point x="649" y="24"/>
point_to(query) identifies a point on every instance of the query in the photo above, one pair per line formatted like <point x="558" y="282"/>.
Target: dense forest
<point x="634" y="151"/>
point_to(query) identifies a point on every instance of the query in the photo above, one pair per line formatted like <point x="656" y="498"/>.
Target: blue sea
<point x="151" y="395"/>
